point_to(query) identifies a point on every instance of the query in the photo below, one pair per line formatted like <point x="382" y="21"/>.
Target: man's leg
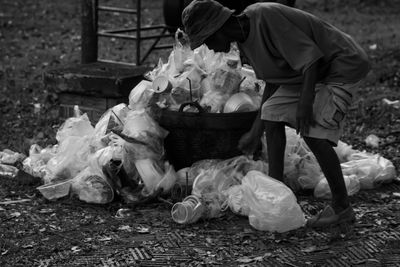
<point x="330" y="166"/>
<point x="276" y="143"/>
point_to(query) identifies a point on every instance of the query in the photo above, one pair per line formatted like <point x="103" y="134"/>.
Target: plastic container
<point x="55" y="190"/>
<point x="239" y="102"/>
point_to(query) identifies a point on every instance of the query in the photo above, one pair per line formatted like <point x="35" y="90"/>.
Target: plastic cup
<point x="162" y="84"/>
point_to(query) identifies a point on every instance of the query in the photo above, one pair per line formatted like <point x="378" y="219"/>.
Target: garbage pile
<point x="217" y="81"/>
<point x="123" y="153"/>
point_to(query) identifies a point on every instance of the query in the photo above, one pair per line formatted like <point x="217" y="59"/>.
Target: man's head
<point x="202" y="19"/>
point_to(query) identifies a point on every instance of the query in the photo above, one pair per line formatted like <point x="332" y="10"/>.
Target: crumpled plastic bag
<point x="75" y="126"/>
<point x="371" y="170"/>
<point x="35" y="164"/>
<point x="139" y="124"/>
<point x="10" y="157"/>
<point x="71" y="158"/>
<point x="214" y="101"/>
<point x="113" y="119"/>
<point x="344" y="151"/>
<point x="322" y="189"/>
<point x="236" y="201"/>
<point x="91" y="184"/>
<point x="273" y="206"/>
<point x="155" y="176"/>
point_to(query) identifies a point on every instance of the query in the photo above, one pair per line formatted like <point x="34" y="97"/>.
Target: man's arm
<point x="304" y="115"/>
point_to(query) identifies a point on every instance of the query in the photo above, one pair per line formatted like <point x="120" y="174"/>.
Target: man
<point x="311" y="69"/>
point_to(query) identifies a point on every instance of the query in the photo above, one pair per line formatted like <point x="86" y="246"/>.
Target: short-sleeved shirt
<point x="283" y="42"/>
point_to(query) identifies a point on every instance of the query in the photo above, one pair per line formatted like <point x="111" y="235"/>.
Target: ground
<point x="39" y="35"/>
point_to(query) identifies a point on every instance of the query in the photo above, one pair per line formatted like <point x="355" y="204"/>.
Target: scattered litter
<point x="395" y="104"/>
<point x="14" y="201"/>
<point x="123" y="213"/>
<point x="76" y="249"/>
<point x="8" y="171"/>
<point x="142" y="229"/>
<point x="10" y="157"/>
<point x="15" y="214"/>
<point x="373" y="47"/>
<point x="372" y="141"/>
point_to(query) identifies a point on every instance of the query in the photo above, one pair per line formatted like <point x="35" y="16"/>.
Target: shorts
<point x="331" y="103"/>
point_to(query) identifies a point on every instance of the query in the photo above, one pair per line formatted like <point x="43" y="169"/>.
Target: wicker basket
<point x="196" y="136"/>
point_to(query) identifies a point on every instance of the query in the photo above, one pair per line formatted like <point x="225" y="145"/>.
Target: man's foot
<point x="328" y="217"/>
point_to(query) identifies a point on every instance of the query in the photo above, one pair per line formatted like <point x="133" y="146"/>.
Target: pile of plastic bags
<point x="361" y="170"/>
<point x="242" y="185"/>
<point x="122" y="154"/>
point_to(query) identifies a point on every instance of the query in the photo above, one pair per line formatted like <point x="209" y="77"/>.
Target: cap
<point x="202" y="18"/>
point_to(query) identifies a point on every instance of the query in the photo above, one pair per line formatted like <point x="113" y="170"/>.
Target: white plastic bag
<point x="344" y="151"/>
<point x="168" y="180"/>
<point x="140" y="95"/>
<point x="75" y="126"/>
<point x="36" y="163"/>
<point x="273" y="206"/>
<point x="371" y="170"/>
<point x="91" y="184"/>
<point x="71" y="158"/>
<point x="322" y="189"/>
<point x="236" y="201"/>
<point x="140" y="124"/>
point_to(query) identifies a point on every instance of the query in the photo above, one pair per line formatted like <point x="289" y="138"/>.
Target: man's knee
<point x="274" y="125"/>
<point x="316" y="143"/>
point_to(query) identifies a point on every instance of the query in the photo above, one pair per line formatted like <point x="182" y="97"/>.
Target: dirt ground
<point x="39" y="35"/>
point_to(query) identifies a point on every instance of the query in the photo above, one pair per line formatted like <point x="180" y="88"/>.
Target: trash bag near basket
<point x="194" y="136"/>
<point x="272" y="205"/>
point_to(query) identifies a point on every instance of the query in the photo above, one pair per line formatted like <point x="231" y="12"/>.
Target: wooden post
<point x="89" y="21"/>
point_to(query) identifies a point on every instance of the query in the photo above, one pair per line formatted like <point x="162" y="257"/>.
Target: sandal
<point x="328" y="217"/>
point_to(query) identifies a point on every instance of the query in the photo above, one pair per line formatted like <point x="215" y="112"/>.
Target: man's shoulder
<point x="265" y="8"/>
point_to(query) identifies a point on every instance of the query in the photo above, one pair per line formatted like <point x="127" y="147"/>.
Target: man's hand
<point x="304" y="118"/>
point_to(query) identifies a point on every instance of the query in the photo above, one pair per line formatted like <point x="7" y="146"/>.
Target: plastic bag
<point x="38" y="158"/>
<point x="272" y="204"/>
<point x="322" y="189"/>
<point x="113" y="119"/>
<point x="140" y="124"/>
<point x="10" y="157"/>
<point x="8" y="171"/>
<point x="140" y="95"/>
<point x="344" y="151"/>
<point x="75" y="126"/>
<point x="71" y="158"/>
<point x="236" y="201"/>
<point x="168" y="180"/>
<point x="92" y="185"/>
<point x="371" y="170"/>
<point x="151" y="173"/>
<point x="214" y="101"/>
